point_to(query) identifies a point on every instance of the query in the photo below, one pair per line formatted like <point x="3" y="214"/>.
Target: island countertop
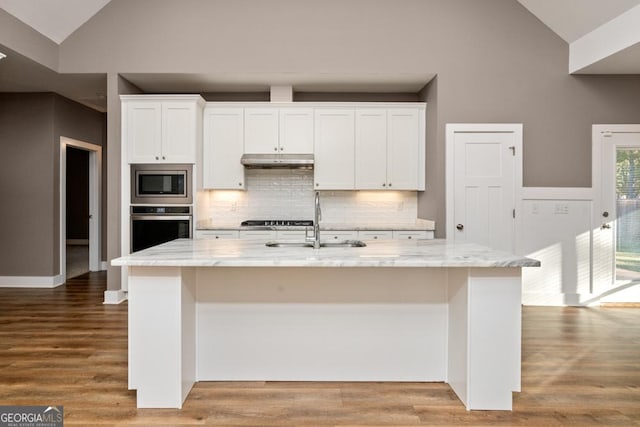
<point x="385" y="253"/>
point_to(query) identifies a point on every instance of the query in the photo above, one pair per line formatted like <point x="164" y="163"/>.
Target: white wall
<point x="556" y="229"/>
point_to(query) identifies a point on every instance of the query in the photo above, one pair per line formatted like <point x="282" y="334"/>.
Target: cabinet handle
<point x="217" y="237"/>
<point x="275" y="148"/>
<point x="335" y="237"/>
<point x="384" y="185"/>
<point x="157" y="158"/>
<point x="409" y="237"/>
<point x="389" y="184"/>
<point x="375" y="237"/>
<point x="240" y="184"/>
<point x="164" y="158"/>
<point x="317" y="184"/>
<point x="281" y="148"/>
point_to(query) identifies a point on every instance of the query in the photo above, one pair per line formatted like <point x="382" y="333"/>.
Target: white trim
<point x="557" y="193"/>
<point x="114" y="297"/>
<point x="451" y="130"/>
<point x="612" y="37"/>
<point x="104" y="265"/>
<point x="95" y="201"/>
<point x="31" y="281"/>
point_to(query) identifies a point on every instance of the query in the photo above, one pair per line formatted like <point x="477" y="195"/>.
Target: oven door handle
<point x="161" y="217"/>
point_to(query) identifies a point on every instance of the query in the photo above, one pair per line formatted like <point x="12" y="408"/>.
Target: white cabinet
<point x="405" y="149"/>
<point x="412" y="234"/>
<point x="296" y="130"/>
<point x="334" y="149"/>
<point x="371" y="149"/>
<point x="261" y="130"/>
<point x="389" y="149"/>
<point x="332" y="235"/>
<point x="271" y="130"/>
<point x="222" y="149"/>
<point x="161" y="129"/>
<point x="375" y="234"/>
<point x="217" y="234"/>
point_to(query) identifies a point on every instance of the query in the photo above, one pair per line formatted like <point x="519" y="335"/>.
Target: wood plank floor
<point x="581" y="366"/>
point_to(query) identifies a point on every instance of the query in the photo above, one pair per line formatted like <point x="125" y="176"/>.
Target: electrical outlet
<point x="561" y="209"/>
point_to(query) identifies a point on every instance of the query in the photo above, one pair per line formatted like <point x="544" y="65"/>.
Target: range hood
<point x="277" y="161"/>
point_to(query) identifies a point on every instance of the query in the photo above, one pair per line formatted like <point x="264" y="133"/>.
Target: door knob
<point x="460" y="227"/>
<point x="605" y="226"/>
<point x="605" y="214"/>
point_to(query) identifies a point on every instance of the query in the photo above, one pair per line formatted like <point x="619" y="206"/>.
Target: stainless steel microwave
<point x="161" y="184"/>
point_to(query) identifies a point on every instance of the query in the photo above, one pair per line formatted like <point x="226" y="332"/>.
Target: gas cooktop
<point x="277" y="223"/>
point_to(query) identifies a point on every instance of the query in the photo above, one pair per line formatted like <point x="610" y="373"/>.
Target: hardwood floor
<point x="581" y="366"/>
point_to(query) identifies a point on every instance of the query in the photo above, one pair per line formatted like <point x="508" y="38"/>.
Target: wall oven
<point x="161" y="184"/>
<point x="153" y="225"/>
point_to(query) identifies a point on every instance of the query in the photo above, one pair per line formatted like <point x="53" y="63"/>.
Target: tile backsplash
<point x="289" y="194"/>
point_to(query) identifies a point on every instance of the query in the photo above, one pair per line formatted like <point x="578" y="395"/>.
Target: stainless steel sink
<point x="340" y="244"/>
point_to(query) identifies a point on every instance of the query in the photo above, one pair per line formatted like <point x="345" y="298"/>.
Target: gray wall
<point x="494" y="60"/>
<point x="31" y="125"/>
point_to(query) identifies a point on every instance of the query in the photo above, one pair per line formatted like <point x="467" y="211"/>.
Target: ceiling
<point x="57" y="19"/>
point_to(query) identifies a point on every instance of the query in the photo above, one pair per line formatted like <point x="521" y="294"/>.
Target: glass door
<point x="627" y="232"/>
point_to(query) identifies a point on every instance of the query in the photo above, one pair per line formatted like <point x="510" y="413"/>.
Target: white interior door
<point x="616" y="222"/>
<point x="483" y="175"/>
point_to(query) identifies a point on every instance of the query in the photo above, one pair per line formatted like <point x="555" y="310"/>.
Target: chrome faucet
<point x="315" y="238"/>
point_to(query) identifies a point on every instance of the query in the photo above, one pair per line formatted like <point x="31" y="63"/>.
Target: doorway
<point x="77" y="238"/>
<point x="84" y="246"/>
<point x="616" y="226"/>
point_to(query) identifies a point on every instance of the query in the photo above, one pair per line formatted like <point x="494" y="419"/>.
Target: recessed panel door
<point x="484" y="184"/>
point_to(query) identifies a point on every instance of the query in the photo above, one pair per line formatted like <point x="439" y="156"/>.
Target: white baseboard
<point x="114" y="297"/>
<point x="31" y="281"/>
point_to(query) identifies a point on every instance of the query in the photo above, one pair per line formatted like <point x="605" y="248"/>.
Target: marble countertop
<point x="419" y="225"/>
<point x="385" y="253"/>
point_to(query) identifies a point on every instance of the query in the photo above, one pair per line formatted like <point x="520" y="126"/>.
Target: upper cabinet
<point x="334" y="149"/>
<point x="223" y="145"/>
<point x="356" y="146"/>
<point x="161" y="129"/>
<point x="389" y="149"/>
<point x="271" y="130"/>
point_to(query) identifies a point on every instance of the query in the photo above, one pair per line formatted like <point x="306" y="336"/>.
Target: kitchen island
<point x="422" y="310"/>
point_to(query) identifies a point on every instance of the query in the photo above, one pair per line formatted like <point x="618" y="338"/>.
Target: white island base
<point x="460" y="325"/>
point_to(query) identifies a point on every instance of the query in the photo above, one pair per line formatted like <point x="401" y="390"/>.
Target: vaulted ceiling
<point x="586" y="25"/>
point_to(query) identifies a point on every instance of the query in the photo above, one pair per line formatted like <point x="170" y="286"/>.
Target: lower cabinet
<point x="325" y="235"/>
<point x="216" y="234"/>
<point x="408" y="235"/>
<point x="338" y="235"/>
<point x="375" y="235"/>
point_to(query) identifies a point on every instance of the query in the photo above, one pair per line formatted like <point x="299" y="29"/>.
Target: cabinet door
<point x="261" y="130"/>
<point x="143" y="131"/>
<point x="179" y="132"/>
<point x="334" y="149"/>
<point x="375" y="235"/>
<point x="334" y="235"/>
<point x="216" y="234"/>
<point x="222" y="149"/>
<point x="371" y="149"/>
<point x="403" y="148"/>
<point x="412" y="235"/>
<point x="296" y="130"/>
